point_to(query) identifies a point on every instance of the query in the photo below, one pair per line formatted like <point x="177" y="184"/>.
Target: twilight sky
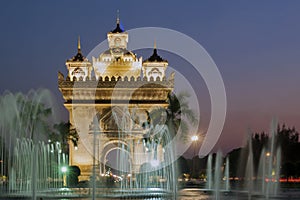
<point x="255" y="44"/>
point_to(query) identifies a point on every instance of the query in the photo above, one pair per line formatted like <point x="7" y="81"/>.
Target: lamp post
<point x="194" y="139"/>
<point x="95" y="129"/>
<point x="64" y="170"/>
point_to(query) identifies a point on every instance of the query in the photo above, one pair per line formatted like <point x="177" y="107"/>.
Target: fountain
<point x="33" y="163"/>
<point x="270" y="165"/>
<point x="215" y="178"/>
<point x="41" y="173"/>
<point x="209" y="173"/>
<point x="27" y="160"/>
<point x="217" y="175"/>
<point x="249" y="174"/>
<point x="227" y="185"/>
<point x="156" y="177"/>
<point x="264" y="183"/>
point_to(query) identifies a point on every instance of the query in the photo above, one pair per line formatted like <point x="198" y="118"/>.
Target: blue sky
<point x="255" y="45"/>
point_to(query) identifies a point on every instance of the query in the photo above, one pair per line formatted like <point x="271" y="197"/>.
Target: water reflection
<point x="192" y="194"/>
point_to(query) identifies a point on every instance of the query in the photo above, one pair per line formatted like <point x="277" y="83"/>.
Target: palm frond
<point x="191" y="116"/>
<point x="184" y="129"/>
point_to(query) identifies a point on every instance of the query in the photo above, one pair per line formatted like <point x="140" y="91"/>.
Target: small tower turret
<point x="79" y="66"/>
<point x="117" y="38"/>
<point x="155" y="66"/>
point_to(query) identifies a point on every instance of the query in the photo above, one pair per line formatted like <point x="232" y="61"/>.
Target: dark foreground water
<point x="183" y="194"/>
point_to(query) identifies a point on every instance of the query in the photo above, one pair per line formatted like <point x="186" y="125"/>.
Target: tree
<point x="288" y="169"/>
<point x="286" y="138"/>
<point x="72" y="176"/>
<point x="183" y="167"/>
<point x="23" y="117"/>
<point x="164" y="123"/>
<point x="259" y="142"/>
<point x="178" y="114"/>
<point x="63" y="133"/>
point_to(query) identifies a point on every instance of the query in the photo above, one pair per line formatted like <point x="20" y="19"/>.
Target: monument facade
<point x="109" y="100"/>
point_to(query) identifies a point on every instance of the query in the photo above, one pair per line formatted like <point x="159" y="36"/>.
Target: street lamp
<point x="194" y="139"/>
<point x="95" y="129"/>
<point x="64" y="170"/>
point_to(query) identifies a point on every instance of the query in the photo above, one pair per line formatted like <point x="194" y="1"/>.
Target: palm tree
<point x="177" y="111"/>
<point x="177" y="116"/>
<point x="23" y="117"/>
<point x="33" y="119"/>
<point x="63" y="133"/>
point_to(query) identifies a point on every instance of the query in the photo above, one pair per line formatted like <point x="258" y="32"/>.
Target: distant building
<point x="111" y="97"/>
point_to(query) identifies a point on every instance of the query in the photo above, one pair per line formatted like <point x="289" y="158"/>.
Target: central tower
<point x="109" y="101"/>
<point x="117" y="61"/>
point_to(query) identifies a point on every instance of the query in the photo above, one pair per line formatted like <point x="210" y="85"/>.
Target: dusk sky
<point x="255" y="44"/>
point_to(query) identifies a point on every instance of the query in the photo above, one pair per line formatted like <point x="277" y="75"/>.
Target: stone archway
<point x="122" y="153"/>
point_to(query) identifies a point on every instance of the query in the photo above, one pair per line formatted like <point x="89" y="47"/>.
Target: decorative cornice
<point x="117" y="91"/>
<point x="113" y="82"/>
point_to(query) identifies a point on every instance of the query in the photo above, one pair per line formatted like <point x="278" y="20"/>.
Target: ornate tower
<point x="154" y="66"/>
<point x="111" y="97"/>
<point x="78" y="66"/>
<point x="117" y="60"/>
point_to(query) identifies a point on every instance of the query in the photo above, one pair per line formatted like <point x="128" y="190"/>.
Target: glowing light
<point x="76" y="148"/>
<point x="154" y="163"/>
<point x="194" y="138"/>
<point x="273" y="173"/>
<point x="64" y="169"/>
<point x="268" y="154"/>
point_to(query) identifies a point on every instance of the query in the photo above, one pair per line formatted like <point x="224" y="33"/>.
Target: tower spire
<point x="78" y="45"/>
<point x="78" y="56"/>
<point x="118" y="29"/>
<point x="154" y="49"/>
<point x="118" y="16"/>
<point x="155" y="57"/>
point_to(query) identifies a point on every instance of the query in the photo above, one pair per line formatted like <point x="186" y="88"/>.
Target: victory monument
<point x="109" y="100"/>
